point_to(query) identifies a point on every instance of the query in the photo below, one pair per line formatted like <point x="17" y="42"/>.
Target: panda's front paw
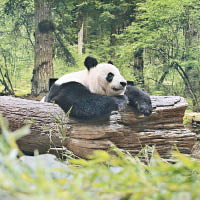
<point x="144" y="107"/>
<point x="139" y="99"/>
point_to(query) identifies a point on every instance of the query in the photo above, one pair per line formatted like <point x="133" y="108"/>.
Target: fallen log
<point x="126" y="129"/>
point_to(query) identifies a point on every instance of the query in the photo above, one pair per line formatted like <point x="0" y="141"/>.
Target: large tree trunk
<point x="43" y="66"/>
<point x="127" y="130"/>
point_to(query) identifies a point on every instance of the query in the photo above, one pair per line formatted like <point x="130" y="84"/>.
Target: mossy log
<point x="126" y="129"/>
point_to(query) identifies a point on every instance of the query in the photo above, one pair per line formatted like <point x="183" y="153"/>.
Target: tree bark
<point x="80" y="41"/>
<point x="138" y="67"/>
<point x="126" y="129"/>
<point x="43" y="61"/>
<point x="112" y="34"/>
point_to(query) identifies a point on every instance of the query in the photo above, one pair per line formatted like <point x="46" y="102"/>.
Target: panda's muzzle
<point x="123" y="84"/>
<point x="117" y="89"/>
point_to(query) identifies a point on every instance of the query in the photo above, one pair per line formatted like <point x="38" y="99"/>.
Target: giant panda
<point x="97" y="91"/>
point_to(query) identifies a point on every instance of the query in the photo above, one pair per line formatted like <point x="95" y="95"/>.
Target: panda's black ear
<point x="110" y="62"/>
<point x="90" y="62"/>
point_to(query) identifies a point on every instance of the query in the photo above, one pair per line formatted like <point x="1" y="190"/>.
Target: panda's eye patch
<point x="109" y="77"/>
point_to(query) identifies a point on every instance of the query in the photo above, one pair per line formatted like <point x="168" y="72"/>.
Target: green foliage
<point x="167" y="31"/>
<point x="16" y="53"/>
<point x="103" y="176"/>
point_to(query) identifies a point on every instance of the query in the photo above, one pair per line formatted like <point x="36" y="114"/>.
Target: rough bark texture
<point x="43" y="62"/>
<point x="126" y="129"/>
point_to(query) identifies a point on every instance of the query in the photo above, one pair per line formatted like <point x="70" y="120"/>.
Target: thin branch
<point x="186" y="81"/>
<point x="7" y="75"/>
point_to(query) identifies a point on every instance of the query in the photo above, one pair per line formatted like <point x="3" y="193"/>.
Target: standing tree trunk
<point x="138" y="68"/>
<point x="80" y="40"/>
<point x="113" y="31"/>
<point x="43" y="67"/>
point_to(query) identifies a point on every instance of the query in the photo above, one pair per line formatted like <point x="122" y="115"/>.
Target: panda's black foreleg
<point x="139" y="100"/>
<point x="82" y="104"/>
<point x="121" y="100"/>
<point x="54" y="90"/>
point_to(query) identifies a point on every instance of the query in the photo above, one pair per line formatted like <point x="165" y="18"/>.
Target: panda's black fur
<point x="82" y="104"/>
<point x="139" y="100"/>
<point x="90" y="62"/>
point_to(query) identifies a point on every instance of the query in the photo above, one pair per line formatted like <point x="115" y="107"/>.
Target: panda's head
<point x="104" y="78"/>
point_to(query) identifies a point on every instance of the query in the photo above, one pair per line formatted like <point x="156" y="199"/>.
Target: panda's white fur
<point x="80" y="77"/>
<point x="95" y="80"/>
<point x="96" y="92"/>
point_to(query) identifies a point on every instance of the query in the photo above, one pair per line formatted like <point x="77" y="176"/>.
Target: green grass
<point x="104" y="177"/>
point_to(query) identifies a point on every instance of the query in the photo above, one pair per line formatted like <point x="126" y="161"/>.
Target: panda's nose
<point x="123" y="84"/>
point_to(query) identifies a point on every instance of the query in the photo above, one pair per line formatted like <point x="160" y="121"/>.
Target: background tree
<point x="43" y="62"/>
<point x="168" y="31"/>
